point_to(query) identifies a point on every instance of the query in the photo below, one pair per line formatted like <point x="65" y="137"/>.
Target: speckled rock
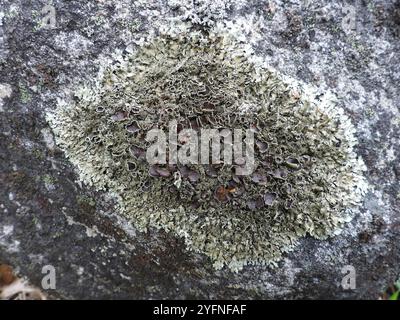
<point x="47" y="217"/>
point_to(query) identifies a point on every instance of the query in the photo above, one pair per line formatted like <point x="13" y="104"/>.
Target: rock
<point x="48" y="218"/>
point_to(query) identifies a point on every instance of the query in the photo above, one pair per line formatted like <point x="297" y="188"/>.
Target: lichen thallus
<point x="306" y="179"/>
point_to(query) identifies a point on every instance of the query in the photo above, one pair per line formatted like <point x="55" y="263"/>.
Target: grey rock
<point x="48" y="218"/>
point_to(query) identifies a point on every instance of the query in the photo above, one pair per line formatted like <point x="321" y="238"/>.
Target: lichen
<point x="24" y="93"/>
<point x="307" y="181"/>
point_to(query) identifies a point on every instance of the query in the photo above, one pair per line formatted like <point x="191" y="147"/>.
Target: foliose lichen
<point x="308" y="179"/>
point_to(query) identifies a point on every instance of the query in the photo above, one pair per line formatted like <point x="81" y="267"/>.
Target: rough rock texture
<point x="48" y="218"/>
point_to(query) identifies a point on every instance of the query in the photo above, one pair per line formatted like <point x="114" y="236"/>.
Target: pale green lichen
<point x="24" y="93"/>
<point x="308" y="179"/>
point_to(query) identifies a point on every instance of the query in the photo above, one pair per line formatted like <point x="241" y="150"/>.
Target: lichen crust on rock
<point x="308" y="179"/>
